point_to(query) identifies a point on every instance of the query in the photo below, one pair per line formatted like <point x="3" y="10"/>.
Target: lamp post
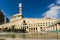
<point x="56" y="30"/>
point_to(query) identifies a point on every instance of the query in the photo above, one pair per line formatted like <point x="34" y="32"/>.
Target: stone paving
<point x="31" y="39"/>
<point x="30" y="36"/>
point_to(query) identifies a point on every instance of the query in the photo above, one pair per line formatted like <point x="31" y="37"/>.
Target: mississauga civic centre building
<point x="31" y="24"/>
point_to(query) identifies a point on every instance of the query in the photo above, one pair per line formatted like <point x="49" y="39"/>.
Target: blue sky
<point x="31" y="8"/>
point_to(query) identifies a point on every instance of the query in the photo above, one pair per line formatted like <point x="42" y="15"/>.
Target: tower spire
<point x="20" y="8"/>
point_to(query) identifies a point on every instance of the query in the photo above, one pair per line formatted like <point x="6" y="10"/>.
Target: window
<point x="18" y="15"/>
<point x="12" y="17"/>
<point x="55" y="24"/>
<point x="49" y="22"/>
<point x="23" y="28"/>
<point x="43" y="23"/>
<point x="41" y="30"/>
<point x="46" y="23"/>
<point x="24" y="22"/>
<point x="36" y="25"/>
<point x="27" y="27"/>
<point x="59" y="23"/>
<point x="40" y="27"/>
<point x="36" y="28"/>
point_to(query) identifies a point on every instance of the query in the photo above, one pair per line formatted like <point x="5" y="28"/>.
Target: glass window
<point x="40" y="27"/>
<point x="24" y="22"/>
<point x="18" y="15"/>
<point x="14" y="16"/>
<point x="27" y="27"/>
<point x="23" y="27"/>
<point x="36" y="28"/>
<point x="49" y="22"/>
<point x="43" y="23"/>
<point x="52" y="22"/>
<point x="41" y="30"/>
<point x="46" y="23"/>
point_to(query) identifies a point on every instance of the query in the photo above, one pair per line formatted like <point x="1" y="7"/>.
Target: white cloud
<point x="51" y="5"/>
<point x="58" y="1"/>
<point x="53" y="12"/>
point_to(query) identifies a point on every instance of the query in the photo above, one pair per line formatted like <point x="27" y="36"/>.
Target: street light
<point x="56" y="30"/>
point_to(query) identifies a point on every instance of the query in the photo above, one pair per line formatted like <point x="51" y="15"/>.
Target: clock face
<point x="20" y="4"/>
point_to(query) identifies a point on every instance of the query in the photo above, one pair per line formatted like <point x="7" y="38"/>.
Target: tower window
<point x="24" y="22"/>
<point x="18" y="15"/>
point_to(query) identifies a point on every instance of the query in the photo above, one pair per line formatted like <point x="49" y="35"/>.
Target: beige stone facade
<point x="30" y="24"/>
<point x="53" y="27"/>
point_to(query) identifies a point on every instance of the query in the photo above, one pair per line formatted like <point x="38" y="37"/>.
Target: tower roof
<point x="20" y="4"/>
<point x="20" y="8"/>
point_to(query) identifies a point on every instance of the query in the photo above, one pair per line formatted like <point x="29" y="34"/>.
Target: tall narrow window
<point x="24" y="22"/>
<point x="40" y="27"/>
<point x="36" y="28"/>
